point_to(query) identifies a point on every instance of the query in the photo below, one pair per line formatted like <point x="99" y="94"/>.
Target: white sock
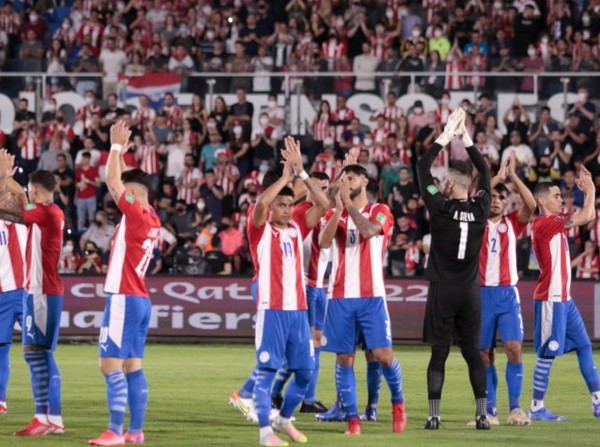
<point x="265" y="432"/>
<point x="595" y="398"/>
<point x="284" y="421"/>
<point x="537" y="405"/>
<point x="43" y="418"/>
<point x="56" y="420"/>
<point x="3" y="404"/>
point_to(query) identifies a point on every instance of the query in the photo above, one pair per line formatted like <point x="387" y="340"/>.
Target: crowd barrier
<point x="198" y="307"/>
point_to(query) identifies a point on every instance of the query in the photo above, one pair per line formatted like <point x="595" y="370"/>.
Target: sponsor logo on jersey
<point x="553" y="345"/>
<point x="380" y="217"/>
<point x="433" y="190"/>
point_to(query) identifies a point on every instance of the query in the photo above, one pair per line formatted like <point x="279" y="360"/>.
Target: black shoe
<point x="276" y="402"/>
<point x="316" y="407"/>
<point x="433" y="423"/>
<point x="482" y="422"/>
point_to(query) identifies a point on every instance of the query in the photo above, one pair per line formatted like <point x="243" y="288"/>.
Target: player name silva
<point x="463" y="216"/>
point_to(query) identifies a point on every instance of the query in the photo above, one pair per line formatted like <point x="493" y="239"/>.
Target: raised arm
<point x="365" y="227"/>
<point x="479" y="162"/>
<point x="528" y="201"/>
<point x="119" y="139"/>
<point x="259" y="216"/>
<point x="7" y="182"/>
<point x="328" y="233"/>
<point x="587" y="212"/>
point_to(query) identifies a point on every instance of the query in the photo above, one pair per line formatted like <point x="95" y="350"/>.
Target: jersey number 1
<point x="462" y="244"/>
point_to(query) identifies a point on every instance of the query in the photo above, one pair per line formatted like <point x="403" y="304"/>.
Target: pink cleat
<point x="34" y="428"/>
<point x="288" y="429"/>
<point x="398" y="418"/>
<point x="108" y="438"/>
<point x="134" y="438"/>
<point x="272" y="440"/>
<point x="3" y="409"/>
<point x="55" y="429"/>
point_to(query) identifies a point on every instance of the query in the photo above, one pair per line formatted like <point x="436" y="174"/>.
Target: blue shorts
<point x="316" y="302"/>
<point x="11" y="312"/>
<point x="501" y="312"/>
<point x="283" y="338"/>
<point x="124" y="326"/>
<point x="41" y="317"/>
<point x="558" y="328"/>
<point x="344" y="317"/>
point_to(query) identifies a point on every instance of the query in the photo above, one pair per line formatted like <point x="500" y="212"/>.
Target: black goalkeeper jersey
<point x="457" y="226"/>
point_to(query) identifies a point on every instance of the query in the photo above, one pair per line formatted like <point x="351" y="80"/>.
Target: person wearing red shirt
<point x="87" y="180"/>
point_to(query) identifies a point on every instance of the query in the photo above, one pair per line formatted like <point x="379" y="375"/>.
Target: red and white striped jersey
<point x="380" y="135"/>
<point x="454" y="79"/>
<point x="595" y="231"/>
<point x="498" y="255"/>
<point x="315" y="257"/>
<point x="227" y="176"/>
<point x="392" y="114"/>
<point x="11" y="23"/>
<point x="322" y="127"/>
<point x="442" y="114"/>
<point x="551" y="249"/>
<point x="63" y="128"/>
<point x="94" y="30"/>
<point x="380" y="155"/>
<point x="357" y="262"/>
<point x="148" y="158"/>
<point x="45" y="223"/>
<point x="187" y="193"/>
<point x="277" y="257"/>
<point x="333" y="49"/>
<point x="573" y="234"/>
<point x="13" y="243"/>
<point x="345" y="114"/>
<point x="174" y="115"/>
<point x="31" y="147"/>
<point x="326" y="163"/>
<point x="132" y="246"/>
<point x="143" y="115"/>
<point x="379" y="45"/>
<point x="588" y="262"/>
<point x="85" y="113"/>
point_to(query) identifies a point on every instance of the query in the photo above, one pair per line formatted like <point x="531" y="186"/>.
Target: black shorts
<point x="453" y="311"/>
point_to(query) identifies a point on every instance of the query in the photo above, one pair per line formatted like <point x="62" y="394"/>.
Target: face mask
<point x="200" y="206"/>
<point x="544" y="40"/>
<point x="213" y="230"/>
<point x="183" y="31"/>
<point x="445" y="101"/>
<point x="585" y="20"/>
<point x="531" y="52"/>
<point x="395" y="164"/>
<point x="272" y="104"/>
<point x="418" y="110"/>
<point x="98" y="223"/>
<point x="33" y="18"/>
<point x="416" y="33"/>
<point x="263" y="121"/>
<point x="437" y="33"/>
<point x="89" y="100"/>
<point x="66" y="26"/>
<point x="389" y="13"/>
<point x="263" y="168"/>
<point x="368" y="141"/>
<point x="60" y="119"/>
<point x="340" y="22"/>
<point x="497" y="5"/>
<point x="403" y="12"/>
<point x="210" y="35"/>
<point x="211" y="125"/>
<point x="237" y="130"/>
<point x="68" y="249"/>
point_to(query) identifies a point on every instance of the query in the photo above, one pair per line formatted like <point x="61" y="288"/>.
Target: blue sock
<point x="137" y="398"/>
<point x="262" y="395"/>
<point x="54" y="385"/>
<point x="247" y="388"/>
<point x="541" y="377"/>
<point x="295" y="392"/>
<point x="281" y="378"/>
<point x="492" y="385"/>
<point x="373" y="383"/>
<point x="311" y="392"/>
<point x="393" y="377"/>
<point x="4" y="369"/>
<point x="588" y="368"/>
<point x="116" y="396"/>
<point x="514" y="381"/>
<point x="345" y="382"/>
<point x="39" y="379"/>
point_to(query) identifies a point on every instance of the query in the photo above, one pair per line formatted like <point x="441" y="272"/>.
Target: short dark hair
<point x="286" y="191"/>
<point x="60" y="155"/>
<point x="464" y="167"/>
<point x="373" y="187"/>
<point x="355" y="169"/>
<point x="43" y="178"/>
<point x="318" y="175"/>
<point x="501" y="188"/>
<point x="209" y="171"/>
<point x="86" y="154"/>
<point x="136" y="176"/>
<point x="542" y="189"/>
<point x="269" y="178"/>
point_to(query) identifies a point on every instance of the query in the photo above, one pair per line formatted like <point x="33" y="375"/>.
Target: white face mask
<point x="211" y="125"/>
<point x="263" y="120"/>
<point x="368" y="141"/>
<point x="210" y="35"/>
<point x="403" y="12"/>
<point x="213" y="230"/>
<point x="437" y="33"/>
<point x="68" y="249"/>
<point x="531" y="52"/>
<point x="418" y="110"/>
<point x="445" y="101"/>
<point x="395" y="164"/>
<point x="66" y="26"/>
<point x="585" y="20"/>
<point x="237" y="130"/>
<point x="33" y="18"/>
<point x="263" y="168"/>
<point x="340" y="22"/>
<point x="89" y="100"/>
<point x="389" y="13"/>
<point x="200" y="206"/>
<point x="582" y="97"/>
<point x="416" y="32"/>
<point x="497" y="5"/>
<point x="544" y="40"/>
<point x="272" y="104"/>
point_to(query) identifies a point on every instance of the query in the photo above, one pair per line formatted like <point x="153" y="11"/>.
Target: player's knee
<point x="439" y="354"/>
<point x="513" y="351"/>
<point x="384" y="356"/>
<point x="345" y="360"/>
<point x="487" y="357"/>
<point x="302" y="377"/>
<point x="470" y="353"/>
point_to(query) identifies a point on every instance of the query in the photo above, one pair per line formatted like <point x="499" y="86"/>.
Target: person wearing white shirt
<point x="365" y="63"/>
<point x="113" y="61"/>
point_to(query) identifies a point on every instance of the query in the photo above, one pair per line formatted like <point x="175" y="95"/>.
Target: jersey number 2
<point x="462" y="244"/>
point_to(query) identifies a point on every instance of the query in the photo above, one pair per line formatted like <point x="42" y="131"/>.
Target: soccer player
<point x="43" y="303"/>
<point x="558" y="327"/>
<point x="500" y="304"/>
<point x="127" y="312"/>
<point x="358" y="232"/>
<point x="13" y="240"/>
<point x="453" y="302"/>
<point x="315" y="264"/>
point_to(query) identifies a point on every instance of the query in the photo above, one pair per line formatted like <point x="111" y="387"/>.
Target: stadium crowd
<point x="207" y="163"/>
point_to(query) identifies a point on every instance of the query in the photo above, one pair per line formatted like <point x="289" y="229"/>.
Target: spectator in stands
<point x="87" y="181"/>
<point x="242" y="111"/>
<point x="365" y="63"/>
<point x="112" y="61"/>
<point x="181" y="62"/>
<point x="91" y="262"/>
<point x="112" y="111"/>
<point x="231" y="243"/>
<point x="587" y="263"/>
<point x="69" y="259"/>
<point x="165" y="201"/>
<point x="48" y="160"/>
<point x="403" y="236"/>
<point x="216" y="261"/>
<point x="85" y="62"/>
<point x="101" y="232"/>
<point x="213" y="195"/>
<point x="181" y="223"/>
<point x="263" y="142"/>
<point x="208" y="152"/>
<point x="188" y="181"/>
<point x="157" y="62"/>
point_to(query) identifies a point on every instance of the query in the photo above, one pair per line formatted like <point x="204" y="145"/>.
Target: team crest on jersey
<point x="502" y="228"/>
<point x="264" y="357"/>
<point x="553" y="345"/>
<point x="129" y="198"/>
<point x="433" y="190"/>
<point x="323" y="340"/>
<point x="292" y="232"/>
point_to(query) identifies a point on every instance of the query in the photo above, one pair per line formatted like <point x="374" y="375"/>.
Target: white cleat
<point x="518" y="417"/>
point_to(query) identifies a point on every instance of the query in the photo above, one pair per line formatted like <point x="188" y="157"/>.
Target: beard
<point x="354" y="193"/>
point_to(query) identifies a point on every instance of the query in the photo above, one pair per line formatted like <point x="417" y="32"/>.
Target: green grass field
<point x="190" y="385"/>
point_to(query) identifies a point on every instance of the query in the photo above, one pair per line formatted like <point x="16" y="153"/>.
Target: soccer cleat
<point x="334" y="414"/>
<point x="3" y="409"/>
<point x="289" y="430"/>
<point x="516" y="417"/>
<point x="34" y="428"/>
<point x="245" y="406"/>
<point x="596" y="410"/>
<point x="108" y="438"/>
<point x="134" y="438"/>
<point x="398" y="418"/>
<point x="315" y="407"/>
<point x="492" y="419"/>
<point x="544" y="415"/>
<point x="277" y="401"/>
<point x="482" y="422"/>
<point x="433" y="423"/>
<point x="370" y="414"/>
<point x="55" y="429"/>
<point x="354" y="427"/>
<point x="272" y="440"/>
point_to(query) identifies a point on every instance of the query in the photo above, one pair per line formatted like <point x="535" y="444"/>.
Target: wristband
<point x="303" y="175"/>
<point x="116" y="147"/>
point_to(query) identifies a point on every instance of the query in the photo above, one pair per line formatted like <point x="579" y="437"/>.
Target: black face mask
<point x="60" y="119"/>
<point x="98" y="222"/>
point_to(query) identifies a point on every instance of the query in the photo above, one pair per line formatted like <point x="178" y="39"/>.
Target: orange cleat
<point x="34" y="428"/>
<point x="108" y="438"/>
<point x="354" y="427"/>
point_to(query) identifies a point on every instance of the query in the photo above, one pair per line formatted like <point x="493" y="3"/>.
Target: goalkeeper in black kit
<point x="453" y="309"/>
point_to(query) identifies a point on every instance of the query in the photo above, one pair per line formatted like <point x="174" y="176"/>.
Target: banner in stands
<point x="223" y="307"/>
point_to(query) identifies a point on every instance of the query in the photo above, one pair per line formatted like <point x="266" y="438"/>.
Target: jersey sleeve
<point x="254" y="233"/>
<point x="380" y="214"/>
<point x="129" y="207"/>
<point x="548" y="226"/>
<point x="517" y="224"/>
<point x="33" y="214"/>
<point x="299" y="216"/>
